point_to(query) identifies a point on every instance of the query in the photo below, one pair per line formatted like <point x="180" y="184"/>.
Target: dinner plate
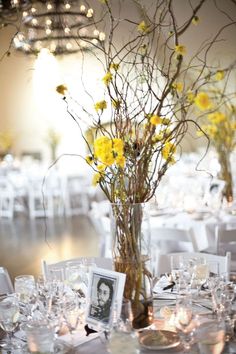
<point x="158" y="339"/>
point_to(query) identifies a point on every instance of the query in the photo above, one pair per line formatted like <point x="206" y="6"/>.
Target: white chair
<point x="6" y="286"/>
<point x="164" y="266"/>
<point x="105" y="263"/>
<point x="226" y="241"/>
<point x="6" y="198"/>
<point x="76" y="196"/>
<point x="167" y="240"/>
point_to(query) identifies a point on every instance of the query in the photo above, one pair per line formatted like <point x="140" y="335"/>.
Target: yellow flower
<point x="107" y="78"/>
<point x="61" y="89"/>
<point x="155" y="120"/>
<point x="157" y="138"/>
<point x="114" y="66"/>
<point x="89" y="159"/>
<point x="195" y="20"/>
<point x="103" y="150"/>
<point x="116" y="104"/>
<point x="101" y="105"/>
<point x="220" y="74"/>
<point x="101" y="168"/>
<point x="180" y="49"/>
<point x="166" y="121"/>
<point x="96" y="178"/>
<point x="203" y="101"/>
<point x="118" y="146"/>
<point x="190" y="96"/>
<point x="178" y="86"/>
<point x="217" y="117"/>
<point x="120" y="161"/>
<point x="143" y="27"/>
<point x="168" y="149"/>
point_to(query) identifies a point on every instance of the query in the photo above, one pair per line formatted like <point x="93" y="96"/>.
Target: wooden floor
<point x="24" y="242"/>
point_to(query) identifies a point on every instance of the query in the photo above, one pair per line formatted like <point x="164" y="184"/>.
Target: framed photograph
<point x="104" y="291"/>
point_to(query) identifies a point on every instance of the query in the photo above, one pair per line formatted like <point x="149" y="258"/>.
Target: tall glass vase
<point x="132" y="256"/>
<point x="226" y="174"/>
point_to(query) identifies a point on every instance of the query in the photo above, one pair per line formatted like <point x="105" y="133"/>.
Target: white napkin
<point x="77" y="338"/>
<point x="162" y="283"/>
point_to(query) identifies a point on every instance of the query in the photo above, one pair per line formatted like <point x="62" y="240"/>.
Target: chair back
<point x="105" y="263"/>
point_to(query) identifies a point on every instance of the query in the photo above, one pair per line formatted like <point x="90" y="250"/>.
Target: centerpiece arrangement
<point x="151" y="82"/>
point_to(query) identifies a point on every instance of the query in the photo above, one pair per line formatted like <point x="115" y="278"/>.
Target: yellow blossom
<point x="116" y="104"/>
<point x="89" y="159"/>
<point x="180" y="49"/>
<point x="101" y="105"/>
<point x="166" y="121"/>
<point x="101" y="168"/>
<point x="155" y="120"/>
<point x="143" y="27"/>
<point x="190" y="96"/>
<point x="216" y="117"/>
<point x="210" y="130"/>
<point x="96" y="178"/>
<point x="168" y="149"/>
<point x="178" y="86"/>
<point x="195" y="20"/>
<point x="157" y="138"/>
<point x="203" y="101"/>
<point x="120" y="161"/>
<point x="61" y="89"/>
<point x="118" y="146"/>
<point x="107" y="78"/>
<point x="220" y="74"/>
<point x="114" y="66"/>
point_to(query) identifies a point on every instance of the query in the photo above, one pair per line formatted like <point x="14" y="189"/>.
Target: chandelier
<point x="61" y="26"/>
<point x="10" y="10"/>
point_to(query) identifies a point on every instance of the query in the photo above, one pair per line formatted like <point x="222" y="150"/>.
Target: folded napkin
<point x="164" y="284"/>
<point x="77" y="338"/>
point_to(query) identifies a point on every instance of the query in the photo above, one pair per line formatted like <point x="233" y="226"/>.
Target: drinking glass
<point x="9" y="319"/>
<point x="210" y="337"/>
<point x="176" y="263"/>
<point x="184" y="320"/>
<point x="40" y="336"/>
<point x="200" y="274"/>
<point x="26" y="291"/>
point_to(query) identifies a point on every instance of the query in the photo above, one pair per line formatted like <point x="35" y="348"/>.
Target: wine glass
<point x="26" y="291"/>
<point x="71" y="314"/>
<point x="9" y="320"/>
<point x="184" y="320"/>
<point x="200" y="274"/>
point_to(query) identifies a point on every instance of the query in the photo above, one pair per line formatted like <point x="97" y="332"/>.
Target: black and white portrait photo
<point x="105" y="289"/>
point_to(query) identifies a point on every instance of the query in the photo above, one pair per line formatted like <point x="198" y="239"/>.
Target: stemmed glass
<point x="200" y="274"/>
<point x="25" y="289"/>
<point x="184" y="320"/>
<point x="9" y="320"/>
<point x="71" y="314"/>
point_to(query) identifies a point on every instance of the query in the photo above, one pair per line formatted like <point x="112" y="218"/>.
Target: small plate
<point x="158" y="339"/>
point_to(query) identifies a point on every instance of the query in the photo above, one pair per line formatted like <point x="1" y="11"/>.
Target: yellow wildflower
<point x="178" y="86"/>
<point x="168" y="149"/>
<point x="210" y="130"/>
<point x="190" y="96"/>
<point x="118" y="146"/>
<point x="157" y="138"/>
<point x="61" y="89"/>
<point x="195" y="20"/>
<point x="89" y="159"/>
<point x="143" y="27"/>
<point x="116" y="104"/>
<point x="166" y="121"/>
<point x="107" y="78"/>
<point x="220" y="74"/>
<point x="101" y="105"/>
<point x="203" y="101"/>
<point x="96" y="178"/>
<point x="101" y="168"/>
<point x="120" y="161"/>
<point x="155" y="120"/>
<point x="180" y="49"/>
<point x="217" y="117"/>
<point x="114" y="66"/>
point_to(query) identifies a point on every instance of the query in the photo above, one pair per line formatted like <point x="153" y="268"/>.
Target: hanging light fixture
<point x="10" y="10"/>
<point x="61" y="26"/>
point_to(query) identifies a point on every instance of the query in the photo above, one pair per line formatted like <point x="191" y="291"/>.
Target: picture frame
<point x="105" y="290"/>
